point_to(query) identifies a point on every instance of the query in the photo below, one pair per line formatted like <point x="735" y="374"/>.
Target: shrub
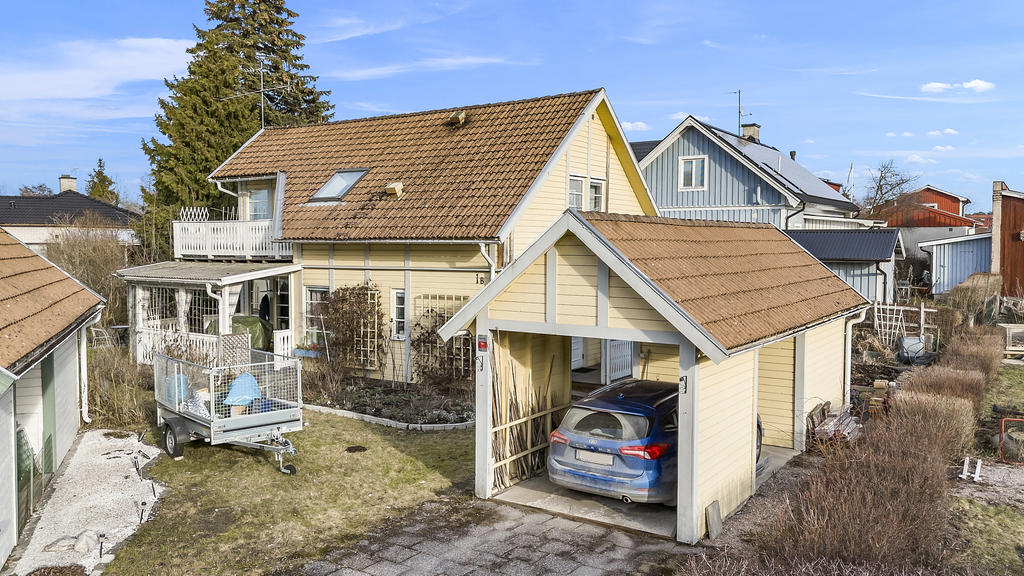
<point x="980" y="350"/>
<point x="120" y="391"/>
<point x="355" y="328"/>
<point x="884" y="499"/>
<point x="701" y="565"/>
<point x="442" y="367"/>
<point x="949" y="381"/>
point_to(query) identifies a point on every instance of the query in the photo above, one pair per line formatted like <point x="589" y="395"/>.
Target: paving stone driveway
<point x="499" y="539"/>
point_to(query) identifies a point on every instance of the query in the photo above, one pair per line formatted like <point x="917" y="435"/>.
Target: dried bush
<point x="979" y="349"/>
<point x="120" y="391"/>
<point x="884" y="500"/>
<point x="949" y="381"/>
<point x="88" y="249"/>
<point x="443" y="367"/>
<point x="355" y="328"/>
<point x="702" y="565"/>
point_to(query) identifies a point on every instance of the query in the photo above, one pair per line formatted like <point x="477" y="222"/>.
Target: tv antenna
<point x="260" y="58"/>
<point x="849" y="180"/>
<point x="739" y="112"/>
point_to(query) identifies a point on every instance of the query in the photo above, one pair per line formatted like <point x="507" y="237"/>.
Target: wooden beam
<point x="688" y="511"/>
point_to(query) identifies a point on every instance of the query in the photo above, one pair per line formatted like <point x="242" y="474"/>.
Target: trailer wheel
<point x="289" y="469"/>
<point x="174" y="436"/>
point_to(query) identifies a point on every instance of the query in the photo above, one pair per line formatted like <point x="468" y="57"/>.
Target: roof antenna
<point x="261" y="59"/>
<point x="739" y="112"/>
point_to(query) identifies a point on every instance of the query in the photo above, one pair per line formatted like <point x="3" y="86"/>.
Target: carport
<point x="698" y="300"/>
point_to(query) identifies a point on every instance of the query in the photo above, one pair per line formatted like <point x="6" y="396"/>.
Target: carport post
<point x="687" y="505"/>
<point x="482" y="454"/>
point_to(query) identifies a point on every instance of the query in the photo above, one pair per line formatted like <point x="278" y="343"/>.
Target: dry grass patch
<point x="949" y="381"/>
<point x="120" y="391"/>
<point x="884" y="500"/>
<point x="229" y="511"/>
<point x="981" y="350"/>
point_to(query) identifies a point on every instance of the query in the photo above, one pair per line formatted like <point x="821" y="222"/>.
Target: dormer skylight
<point x="338" y="185"/>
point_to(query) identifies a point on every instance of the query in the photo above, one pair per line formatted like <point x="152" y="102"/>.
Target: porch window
<point x="315" y="296"/>
<point x="162" y="309"/>
<point x="692" y="172"/>
<point x="398" y="315"/>
<point x="575" y="199"/>
<point x="596" y="196"/>
<point x="259" y="204"/>
<point x="282" y="305"/>
<point x="202" y="311"/>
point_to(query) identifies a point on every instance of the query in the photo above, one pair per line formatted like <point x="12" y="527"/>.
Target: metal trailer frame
<point x="280" y="412"/>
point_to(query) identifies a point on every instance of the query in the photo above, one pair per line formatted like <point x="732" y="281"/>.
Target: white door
<point x="620" y="359"/>
<point x="8" y="495"/>
<point x="577" y="353"/>
<point x="65" y="397"/>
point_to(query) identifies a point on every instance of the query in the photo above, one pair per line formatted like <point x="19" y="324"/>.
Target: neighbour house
<point x="740" y="317"/>
<point x="1007" y="238"/>
<point x="43" y="377"/>
<point x="952" y="260"/>
<point x="425" y="207"/>
<point x="926" y="214"/>
<point x="702" y="172"/>
<point x="35" y="219"/>
<point x="864" y="259"/>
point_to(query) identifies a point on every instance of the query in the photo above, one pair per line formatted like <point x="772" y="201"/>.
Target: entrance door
<point x="577" y="353"/>
<point x="620" y="359"/>
<point x="8" y="494"/>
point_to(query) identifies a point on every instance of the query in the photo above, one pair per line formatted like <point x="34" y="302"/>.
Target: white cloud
<point x="950" y="131"/>
<point x="91" y="69"/>
<point x="683" y="115"/>
<point x="635" y="126"/>
<point x="908" y="134"/>
<point x="423" y="65"/>
<point x="943" y="99"/>
<point x="890" y="134"/>
<point x="339" y="29"/>
<point x="936" y="87"/>
<point x="808" y="141"/>
<point x="918" y="159"/>
<point x="713" y="45"/>
<point x="979" y="85"/>
<point x="935" y="132"/>
<point x="943" y="148"/>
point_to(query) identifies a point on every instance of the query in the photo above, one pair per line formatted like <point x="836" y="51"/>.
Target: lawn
<point x="1005" y="391"/>
<point x="229" y="511"/>
<point x="994" y="536"/>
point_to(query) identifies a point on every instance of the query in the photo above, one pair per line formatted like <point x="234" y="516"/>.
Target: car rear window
<point x="606" y="425"/>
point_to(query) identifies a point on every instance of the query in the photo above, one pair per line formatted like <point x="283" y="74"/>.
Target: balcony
<point x="228" y="239"/>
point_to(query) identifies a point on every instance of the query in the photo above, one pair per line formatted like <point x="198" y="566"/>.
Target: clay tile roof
<point x="743" y="283"/>
<point x="459" y="182"/>
<point x="37" y="301"/>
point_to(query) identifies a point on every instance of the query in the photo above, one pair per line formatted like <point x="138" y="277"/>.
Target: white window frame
<point x="603" y="195"/>
<point x="582" y="194"/>
<point x="312" y="328"/>
<point x="397" y="334"/>
<point x="931" y="205"/>
<point x="694" y="187"/>
<point x="266" y="208"/>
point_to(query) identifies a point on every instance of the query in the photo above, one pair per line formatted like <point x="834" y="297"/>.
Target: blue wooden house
<point x="702" y="172"/>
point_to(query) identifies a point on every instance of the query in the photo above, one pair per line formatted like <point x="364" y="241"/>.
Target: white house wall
<point x="8" y="494"/>
<point x="65" y="393"/>
<point x="29" y="404"/>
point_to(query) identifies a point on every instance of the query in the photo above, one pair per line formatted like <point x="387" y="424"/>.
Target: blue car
<point x="620" y="441"/>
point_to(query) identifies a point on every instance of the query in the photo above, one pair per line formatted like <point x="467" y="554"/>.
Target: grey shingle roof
<point x="643" y="148"/>
<point x="199" y="273"/>
<point x="873" y="245"/>
<point x="45" y="210"/>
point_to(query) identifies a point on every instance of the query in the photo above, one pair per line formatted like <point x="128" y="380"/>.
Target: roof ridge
<point x="668" y="220"/>
<point x="592" y="92"/>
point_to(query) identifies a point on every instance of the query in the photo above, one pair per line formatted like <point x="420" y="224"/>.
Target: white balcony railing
<point x="228" y="239"/>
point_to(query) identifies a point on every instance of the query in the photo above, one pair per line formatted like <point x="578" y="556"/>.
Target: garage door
<point x="65" y="396"/>
<point x="8" y="502"/>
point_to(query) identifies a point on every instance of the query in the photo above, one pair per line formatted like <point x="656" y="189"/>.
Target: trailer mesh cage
<point x="257" y="385"/>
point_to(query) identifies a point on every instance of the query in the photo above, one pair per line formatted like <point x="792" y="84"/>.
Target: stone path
<point x="498" y="539"/>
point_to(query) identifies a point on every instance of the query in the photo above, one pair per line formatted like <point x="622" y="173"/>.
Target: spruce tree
<point x="208" y="114"/>
<point x="100" y="186"/>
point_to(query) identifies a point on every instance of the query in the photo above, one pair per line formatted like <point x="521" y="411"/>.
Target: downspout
<point x="487" y="257"/>
<point x="83" y="368"/>
<point x="847" y="358"/>
<point x="803" y="206"/>
<point x="209" y="290"/>
<point x="221" y="187"/>
<point x="885" y="281"/>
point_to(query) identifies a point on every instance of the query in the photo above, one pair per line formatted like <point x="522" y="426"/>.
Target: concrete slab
<point x="773" y="458"/>
<point x="540" y="493"/>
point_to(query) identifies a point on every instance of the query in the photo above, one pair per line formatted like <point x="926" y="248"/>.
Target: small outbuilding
<point x="744" y="320"/>
<point x="865" y="259"/>
<point x="953" y="260"/>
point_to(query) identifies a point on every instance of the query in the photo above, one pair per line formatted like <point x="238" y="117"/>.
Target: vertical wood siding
<point x="953" y="263"/>
<point x="8" y="507"/>
<point x="1011" y="249"/>
<point x="862" y="277"/>
<point x="65" y="392"/>
<point x="729" y="183"/>
<point x="776" y="372"/>
<point x="725" y="442"/>
<point x="29" y="405"/>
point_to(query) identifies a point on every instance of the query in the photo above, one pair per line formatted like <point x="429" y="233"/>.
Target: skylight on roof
<point x="338" y="185"/>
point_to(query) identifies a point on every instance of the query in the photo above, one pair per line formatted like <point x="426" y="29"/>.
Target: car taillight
<point x="649" y="452"/>
<point x="557" y="438"/>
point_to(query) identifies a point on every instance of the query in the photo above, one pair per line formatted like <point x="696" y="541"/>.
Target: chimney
<point x="67" y="182"/>
<point x="792" y="155"/>
<point x="997" y="224"/>
<point x="752" y="132"/>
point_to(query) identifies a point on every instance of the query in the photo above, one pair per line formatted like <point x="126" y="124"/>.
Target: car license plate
<point x="594" y="457"/>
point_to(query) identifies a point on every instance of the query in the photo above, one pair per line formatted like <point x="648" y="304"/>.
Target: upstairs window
<point x="575" y="199"/>
<point x="338" y="185"/>
<point x="259" y="203"/>
<point x="692" y="172"/>
<point x="596" y="196"/>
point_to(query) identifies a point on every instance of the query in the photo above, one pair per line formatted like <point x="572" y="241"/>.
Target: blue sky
<point x="934" y="86"/>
